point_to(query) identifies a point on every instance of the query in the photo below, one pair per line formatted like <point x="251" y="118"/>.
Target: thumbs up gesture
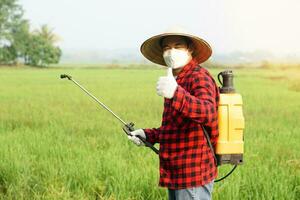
<point x="167" y="85"/>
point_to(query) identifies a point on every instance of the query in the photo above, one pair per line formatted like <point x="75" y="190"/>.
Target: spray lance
<point x="128" y="127"/>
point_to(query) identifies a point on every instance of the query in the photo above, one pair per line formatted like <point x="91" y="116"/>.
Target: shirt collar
<point x="188" y="67"/>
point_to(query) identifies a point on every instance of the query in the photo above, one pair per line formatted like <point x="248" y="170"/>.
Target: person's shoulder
<point x="202" y="74"/>
<point x="201" y="71"/>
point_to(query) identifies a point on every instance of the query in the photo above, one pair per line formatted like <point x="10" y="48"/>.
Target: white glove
<point x="166" y="85"/>
<point x="135" y="139"/>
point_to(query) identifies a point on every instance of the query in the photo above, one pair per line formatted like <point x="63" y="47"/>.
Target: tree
<point x="10" y="13"/>
<point x="47" y="34"/>
<point x="8" y="55"/>
<point x="20" y="38"/>
<point x="41" y="52"/>
<point x="10" y="16"/>
<point x="17" y="42"/>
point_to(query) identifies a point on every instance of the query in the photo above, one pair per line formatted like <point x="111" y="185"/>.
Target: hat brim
<point x="152" y="50"/>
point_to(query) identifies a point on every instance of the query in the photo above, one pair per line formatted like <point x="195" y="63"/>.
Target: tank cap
<point x="227" y="83"/>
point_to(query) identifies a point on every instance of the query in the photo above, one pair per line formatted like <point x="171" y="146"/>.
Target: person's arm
<point x="201" y="106"/>
<point x="152" y="135"/>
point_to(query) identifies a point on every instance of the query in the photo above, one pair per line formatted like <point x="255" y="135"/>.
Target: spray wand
<point x="128" y="127"/>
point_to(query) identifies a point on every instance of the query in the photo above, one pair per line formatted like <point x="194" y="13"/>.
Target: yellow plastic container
<point x="231" y="125"/>
<point x="230" y="144"/>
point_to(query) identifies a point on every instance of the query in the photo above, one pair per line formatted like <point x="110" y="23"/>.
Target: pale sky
<point x="228" y="25"/>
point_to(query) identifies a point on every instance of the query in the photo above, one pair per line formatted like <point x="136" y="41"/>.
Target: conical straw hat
<point x="152" y="50"/>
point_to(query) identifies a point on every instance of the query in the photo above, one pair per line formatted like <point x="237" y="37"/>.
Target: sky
<point x="228" y="25"/>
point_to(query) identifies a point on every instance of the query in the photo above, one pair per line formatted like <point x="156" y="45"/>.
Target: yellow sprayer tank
<point x="230" y="144"/>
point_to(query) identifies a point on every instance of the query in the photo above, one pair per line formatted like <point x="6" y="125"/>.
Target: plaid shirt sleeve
<point x="152" y="135"/>
<point x="199" y="106"/>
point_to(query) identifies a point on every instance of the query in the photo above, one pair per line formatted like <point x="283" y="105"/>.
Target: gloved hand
<point x="167" y="85"/>
<point x="135" y="139"/>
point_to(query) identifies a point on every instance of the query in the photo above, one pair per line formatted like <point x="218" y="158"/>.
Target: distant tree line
<point x="19" y="44"/>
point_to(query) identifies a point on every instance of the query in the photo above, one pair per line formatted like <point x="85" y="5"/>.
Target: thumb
<point x="169" y="72"/>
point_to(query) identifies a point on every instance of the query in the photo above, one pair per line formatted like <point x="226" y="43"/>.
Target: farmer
<point x="191" y="96"/>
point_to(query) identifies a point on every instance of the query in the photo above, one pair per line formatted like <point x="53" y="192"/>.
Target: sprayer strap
<point x="209" y="143"/>
<point x="212" y="149"/>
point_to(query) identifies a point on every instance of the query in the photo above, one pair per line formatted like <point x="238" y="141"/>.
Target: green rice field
<point x="57" y="143"/>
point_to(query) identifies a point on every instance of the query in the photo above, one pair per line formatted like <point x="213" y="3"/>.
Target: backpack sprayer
<point x="230" y="144"/>
<point x="231" y="123"/>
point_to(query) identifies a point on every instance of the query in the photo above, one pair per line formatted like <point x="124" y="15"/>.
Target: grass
<point x="56" y="144"/>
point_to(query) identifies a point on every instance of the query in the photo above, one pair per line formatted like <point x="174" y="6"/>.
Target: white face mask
<point x="176" y="58"/>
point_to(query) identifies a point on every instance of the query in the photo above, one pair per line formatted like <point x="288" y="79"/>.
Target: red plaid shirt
<point x="185" y="157"/>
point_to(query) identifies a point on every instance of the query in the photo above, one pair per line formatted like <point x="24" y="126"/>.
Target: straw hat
<point x="152" y="50"/>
